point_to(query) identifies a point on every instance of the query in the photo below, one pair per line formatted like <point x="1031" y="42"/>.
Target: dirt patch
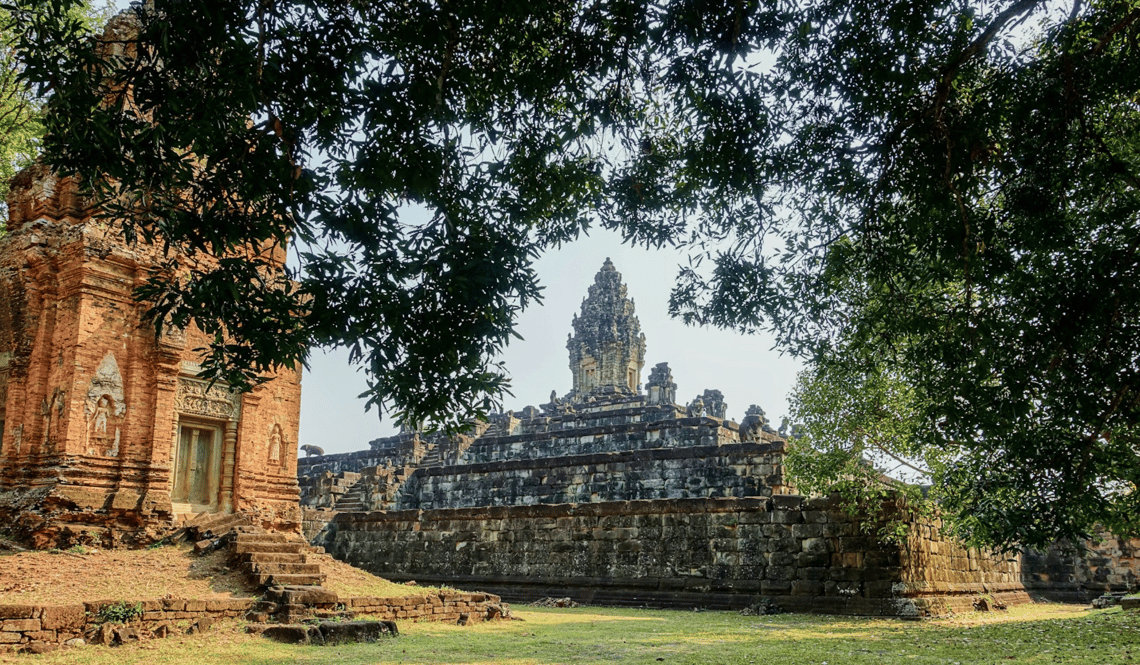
<point x="45" y="578"/>
<point x="347" y="581"/>
<point x="84" y="574"/>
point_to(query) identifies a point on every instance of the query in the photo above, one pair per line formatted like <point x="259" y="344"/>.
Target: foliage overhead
<point x="20" y="108"/>
<point x="941" y="193"/>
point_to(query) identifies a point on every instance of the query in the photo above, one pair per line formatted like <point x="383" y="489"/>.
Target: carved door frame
<point x="197" y="403"/>
<point x="189" y="451"/>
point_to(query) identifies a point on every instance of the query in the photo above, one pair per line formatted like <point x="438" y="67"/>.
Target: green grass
<point x="1044" y="634"/>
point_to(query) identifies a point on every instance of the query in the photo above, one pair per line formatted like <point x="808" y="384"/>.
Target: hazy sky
<point x="743" y="367"/>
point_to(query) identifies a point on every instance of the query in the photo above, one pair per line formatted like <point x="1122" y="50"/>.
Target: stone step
<point x="262" y="538"/>
<point x="275" y="548"/>
<point x="261" y="579"/>
<point x="252" y="568"/>
<point x="271" y="557"/>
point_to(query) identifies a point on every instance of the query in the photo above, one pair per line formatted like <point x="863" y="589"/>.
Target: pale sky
<point x="742" y="367"/>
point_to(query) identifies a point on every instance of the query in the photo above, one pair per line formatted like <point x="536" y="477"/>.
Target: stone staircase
<point x="376" y="490"/>
<point x="353" y="500"/>
<point x="431" y="457"/>
<point x="267" y="558"/>
<point x="276" y="559"/>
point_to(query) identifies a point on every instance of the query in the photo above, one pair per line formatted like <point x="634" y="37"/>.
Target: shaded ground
<point x="85" y="574"/>
<point x="1042" y="634"/>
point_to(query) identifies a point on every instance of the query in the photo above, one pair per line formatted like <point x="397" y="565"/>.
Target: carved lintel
<point x="199" y="398"/>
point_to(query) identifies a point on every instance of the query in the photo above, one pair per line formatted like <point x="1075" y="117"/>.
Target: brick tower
<point x="107" y="435"/>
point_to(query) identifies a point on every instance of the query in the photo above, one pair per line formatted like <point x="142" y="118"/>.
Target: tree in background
<point x="20" y="109"/>
<point x="935" y="200"/>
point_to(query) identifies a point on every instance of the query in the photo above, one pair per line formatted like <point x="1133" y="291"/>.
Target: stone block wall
<point x="1062" y="573"/>
<point x="716" y="553"/>
<point x="740" y="470"/>
<point x="602" y="432"/>
<point x="942" y="576"/>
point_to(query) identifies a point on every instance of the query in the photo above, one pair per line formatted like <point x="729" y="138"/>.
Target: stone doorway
<point x="197" y="467"/>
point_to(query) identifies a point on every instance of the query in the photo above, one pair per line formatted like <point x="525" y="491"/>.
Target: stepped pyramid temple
<point x="107" y="436"/>
<point x="615" y="494"/>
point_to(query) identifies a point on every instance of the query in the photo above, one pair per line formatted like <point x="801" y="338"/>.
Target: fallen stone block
<point x="164" y="630"/>
<point x="336" y="632"/>
<point x="294" y="634"/>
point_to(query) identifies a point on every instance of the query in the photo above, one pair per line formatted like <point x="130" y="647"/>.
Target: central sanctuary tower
<point x="607" y="348"/>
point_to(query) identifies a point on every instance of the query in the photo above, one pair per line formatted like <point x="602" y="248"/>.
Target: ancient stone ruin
<point x="615" y="495"/>
<point x="107" y="435"/>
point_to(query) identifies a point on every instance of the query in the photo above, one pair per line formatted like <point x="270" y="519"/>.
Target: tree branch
<point x="977" y="46"/>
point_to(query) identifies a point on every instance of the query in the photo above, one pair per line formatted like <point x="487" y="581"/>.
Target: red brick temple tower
<point x="107" y="435"/>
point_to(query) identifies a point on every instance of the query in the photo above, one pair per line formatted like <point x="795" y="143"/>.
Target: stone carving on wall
<point x="17" y="439"/>
<point x="198" y="398"/>
<point x="51" y="410"/>
<point x="104" y="407"/>
<point x="3" y="387"/>
<point x="660" y="385"/>
<point x="607" y="348"/>
<point x="276" y="445"/>
<point x="173" y="336"/>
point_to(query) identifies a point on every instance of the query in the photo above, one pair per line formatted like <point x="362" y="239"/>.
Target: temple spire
<point x="607" y="348"/>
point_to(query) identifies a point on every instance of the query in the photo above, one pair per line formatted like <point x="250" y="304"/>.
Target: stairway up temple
<point x="614" y="494"/>
<point x="107" y="435"/>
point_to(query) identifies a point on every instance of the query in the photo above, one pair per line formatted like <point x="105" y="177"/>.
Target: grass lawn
<point x="1028" y="634"/>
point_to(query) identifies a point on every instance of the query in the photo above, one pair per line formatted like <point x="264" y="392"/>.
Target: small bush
<point x="120" y="612"/>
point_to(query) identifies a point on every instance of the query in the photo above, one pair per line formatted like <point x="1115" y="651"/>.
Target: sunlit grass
<point x="1037" y="634"/>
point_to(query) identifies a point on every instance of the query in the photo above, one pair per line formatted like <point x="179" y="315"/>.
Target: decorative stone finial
<point x="660" y="386"/>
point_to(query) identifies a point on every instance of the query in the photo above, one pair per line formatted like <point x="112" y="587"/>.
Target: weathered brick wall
<point x="314" y="521"/>
<point x="340" y="463"/>
<point x="92" y="400"/>
<point x="22" y="626"/>
<point x="719" y="553"/>
<point x="739" y="470"/>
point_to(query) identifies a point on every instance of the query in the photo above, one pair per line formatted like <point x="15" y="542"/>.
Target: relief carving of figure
<point x="104" y="409"/>
<point x="276" y="445"/>
<point x="52" y="411"/>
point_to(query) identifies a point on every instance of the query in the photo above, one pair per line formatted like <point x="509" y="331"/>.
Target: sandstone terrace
<point x="1043" y="633"/>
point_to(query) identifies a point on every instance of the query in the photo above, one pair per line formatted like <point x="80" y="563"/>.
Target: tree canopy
<point x="20" y="109"/>
<point x="941" y="193"/>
